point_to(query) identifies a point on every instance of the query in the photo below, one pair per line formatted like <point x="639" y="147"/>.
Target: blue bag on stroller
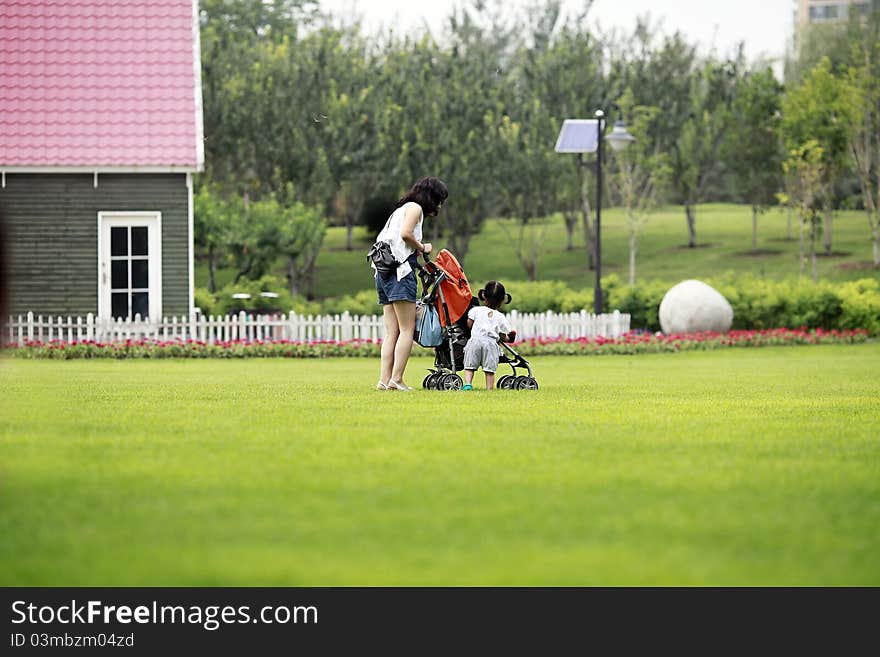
<point x="428" y="330"/>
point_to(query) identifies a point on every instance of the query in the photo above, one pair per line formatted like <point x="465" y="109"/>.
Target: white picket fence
<point x="292" y="327"/>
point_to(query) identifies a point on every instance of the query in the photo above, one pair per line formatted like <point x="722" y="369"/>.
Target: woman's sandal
<point x="381" y="386"/>
<point x="394" y="385"/>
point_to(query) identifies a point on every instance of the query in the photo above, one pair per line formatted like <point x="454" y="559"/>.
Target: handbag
<point x="382" y="258"/>
<point x="428" y="331"/>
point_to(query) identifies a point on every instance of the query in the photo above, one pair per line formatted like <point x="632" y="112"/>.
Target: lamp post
<point x="586" y="136"/>
<point x="598" y="302"/>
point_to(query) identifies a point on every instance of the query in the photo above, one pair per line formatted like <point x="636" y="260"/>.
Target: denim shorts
<point x="390" y="289"/>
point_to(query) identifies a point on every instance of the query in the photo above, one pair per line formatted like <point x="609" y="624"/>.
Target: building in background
<point x="100" y="135"/>
<point x="814" y="12"/>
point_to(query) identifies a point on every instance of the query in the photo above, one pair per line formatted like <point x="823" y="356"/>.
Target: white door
<point x="130" y="264"/>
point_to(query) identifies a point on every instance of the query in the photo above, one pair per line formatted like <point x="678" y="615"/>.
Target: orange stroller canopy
<point x="456" y="289"/>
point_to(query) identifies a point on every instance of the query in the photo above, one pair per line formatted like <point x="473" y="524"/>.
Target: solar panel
<point x="578" y="136"/>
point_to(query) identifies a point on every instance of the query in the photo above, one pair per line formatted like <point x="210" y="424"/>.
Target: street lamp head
<point x="599" y="114"/>
<point x="620" y="137"/>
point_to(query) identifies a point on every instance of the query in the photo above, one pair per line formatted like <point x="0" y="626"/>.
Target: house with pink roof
<point x="100" y="135"/>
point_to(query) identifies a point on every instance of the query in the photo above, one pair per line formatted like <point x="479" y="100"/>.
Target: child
<point x="488" y="326"/>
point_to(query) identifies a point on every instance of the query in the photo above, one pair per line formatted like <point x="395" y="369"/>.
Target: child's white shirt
<point x="488" y="322"/>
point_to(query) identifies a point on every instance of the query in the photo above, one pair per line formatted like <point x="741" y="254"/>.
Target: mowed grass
<point x="740" y="467"/>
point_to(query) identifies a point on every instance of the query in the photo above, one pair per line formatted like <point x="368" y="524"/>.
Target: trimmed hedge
<point x="757" y="303"/>
<point x="762" y="304"/>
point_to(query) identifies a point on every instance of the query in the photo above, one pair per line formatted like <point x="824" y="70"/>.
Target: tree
<point x="234" y="35"/>
<point x="562" y="67"/>
<point x="752" y="148"/>
<point x="444" y="105"/>
<point x="639" y="175"/>
<point x="822" y="109"/>
<point x="252" y="242"/>
<point x="864" y="80"/>
<point x="531" y="166"/>
<point x="804" y="172"/>
<point x="300" y="233"/>
<point x="213" y="219"/>
<point x="696" y="156"/>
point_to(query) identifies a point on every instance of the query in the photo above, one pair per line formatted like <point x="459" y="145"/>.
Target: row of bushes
<point x="632" y="343"/>
<point x="761" y="304"/>
<point x="757" y="303"/>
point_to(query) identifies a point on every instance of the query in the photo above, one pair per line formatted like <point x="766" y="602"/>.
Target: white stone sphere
<point x="694" y="306"/>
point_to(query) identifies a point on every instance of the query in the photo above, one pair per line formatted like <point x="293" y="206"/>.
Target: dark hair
<point x="494" y="295"/>
<point x="429" y="192"/>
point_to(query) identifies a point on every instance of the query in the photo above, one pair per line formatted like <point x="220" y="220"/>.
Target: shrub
<point x="258" y="303"/>
<point x="533" y="296"/>
<point x="861" y="305"/>
<point x="204" y="300"/>
<point x="640" y="301"/>
<point x="758" y="304"/>
<point x="361" y="303"/>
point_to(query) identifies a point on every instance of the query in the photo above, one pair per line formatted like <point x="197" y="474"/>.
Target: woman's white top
<point x="391" y="234"/>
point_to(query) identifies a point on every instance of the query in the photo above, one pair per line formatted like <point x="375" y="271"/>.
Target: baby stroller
<point x="445" y="285"/>
<point x="515" y="381"/>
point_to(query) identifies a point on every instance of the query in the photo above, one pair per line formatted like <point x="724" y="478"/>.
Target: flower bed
<point x="631" y="343"/>
<point x="643" y="343"/>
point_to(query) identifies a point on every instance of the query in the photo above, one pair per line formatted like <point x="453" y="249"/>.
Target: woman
<point x="397" y="289"/>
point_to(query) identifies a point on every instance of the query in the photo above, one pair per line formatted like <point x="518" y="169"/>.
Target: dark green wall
<point x="52" y="237"/>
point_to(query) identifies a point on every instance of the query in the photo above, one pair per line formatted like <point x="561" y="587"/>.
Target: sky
<point x="765" y="26"/>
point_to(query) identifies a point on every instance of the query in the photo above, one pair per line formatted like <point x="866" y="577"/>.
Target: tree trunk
<point x="212" y="270"/>
<point x="632" y="257"/>
<point x="873" y="213"/>
<point x="570" y="224"/>
<point x="243" y="272"/>
<point x="292" y="278"/>
<point x="589" y="233"/>
<point x="813" y="255"/>
<point x="788" y="229"/>
<point x="802" y="249"/>
<point x="351" y="219"/>
<point x="754" y="229"/>
<point x="828" y="229"/>
<point x="459" y="243"/>
<point x="691" y="213"/>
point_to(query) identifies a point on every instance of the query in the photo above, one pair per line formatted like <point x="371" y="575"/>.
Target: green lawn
<point x="740" y="467"/>
<point x="724" y="237"/>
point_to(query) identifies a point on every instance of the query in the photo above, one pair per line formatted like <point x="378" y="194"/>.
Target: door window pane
<point x="139" y="240"/>
<point x="140" y="304"/>
<point x="118" y="241"/>
<point x="119" y="302"/>
<point x="119" y="274"/>
<point x="140" y="274"/>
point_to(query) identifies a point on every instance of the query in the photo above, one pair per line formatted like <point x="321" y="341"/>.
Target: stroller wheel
<point x="526" y="383"/>
<point x="520" y="383"/>
<point x="430" y="381"/>
<point x="506" y="382"/>
<point x="450" y="382"/>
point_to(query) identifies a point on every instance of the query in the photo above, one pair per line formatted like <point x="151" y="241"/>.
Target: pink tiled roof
<point x="98" y="83"/>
